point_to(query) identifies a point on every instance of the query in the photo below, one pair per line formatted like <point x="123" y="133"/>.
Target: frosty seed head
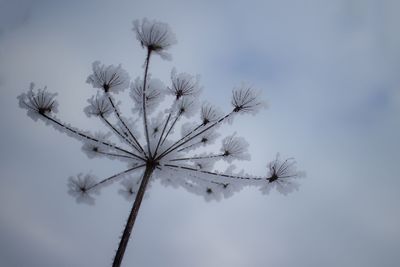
<point x="82" y="187"/>
<point x="246" y="100"/>
<point x="186" y="106"/>
<point x="155" y="92"/>
<point x="99" y="105"/>
<point x="39" y="102"/>
<point x="155" y="36"/>
<point x="129" y="188"/>
<point x="96" y="148"/>
<point x="209" y="113"/>
<point x="109" y="78"/>
<point x="184" y="84"/>
<point x="279" y="169"/>
<point x="281" y="175"/>
<point x="234" y="147"/>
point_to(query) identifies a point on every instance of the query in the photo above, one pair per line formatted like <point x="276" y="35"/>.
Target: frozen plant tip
<point x="109" y="78"/>
<point x="81" y="188"/>
<point x="150" y="145"/>
<point x="155" y="36"/>
<point x="38" y="103"/>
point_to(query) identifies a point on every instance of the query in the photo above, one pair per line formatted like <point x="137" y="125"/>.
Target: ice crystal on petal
<point x="155" y="36"/>
<point x="109" y="78"/>
<point x="38" y="103"/>
<point x="82" y="188"/>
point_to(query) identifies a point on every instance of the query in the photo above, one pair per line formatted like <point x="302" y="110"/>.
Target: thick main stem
<point x="132" y="216"/>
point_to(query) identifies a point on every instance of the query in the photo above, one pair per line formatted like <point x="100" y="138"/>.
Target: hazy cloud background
<point x="329" y="70"/>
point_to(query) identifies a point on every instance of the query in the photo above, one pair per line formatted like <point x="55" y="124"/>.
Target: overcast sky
<point x="330" y="73"/>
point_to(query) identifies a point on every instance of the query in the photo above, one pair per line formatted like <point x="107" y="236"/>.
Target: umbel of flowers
<point x="150" y="148"/>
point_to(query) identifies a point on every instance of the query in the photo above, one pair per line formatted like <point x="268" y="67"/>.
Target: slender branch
<point x="72" y="130"/>
<point x="124" y="124"/>
<point x="162" y="133"/>
<point x="115" y="176"/>
<point x="117" y="132"/>
<point x="114" y="155"/>
<point x="174" y="147"/>
<point x="189" y="146"/>
<point x="214" y="173"/>
<point x="183" y="138"/>
<point x="199" y="157"/>
<point x="146" y="128"/>
<point x="170" y="128"/>
<point x="132" y="216"/>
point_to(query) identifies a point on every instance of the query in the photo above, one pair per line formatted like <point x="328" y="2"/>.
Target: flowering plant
<point x="160" y="154"/>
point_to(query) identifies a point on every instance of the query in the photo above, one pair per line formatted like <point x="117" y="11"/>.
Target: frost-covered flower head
<point x="155" y="36"/>
<point x="209" y="113"/>
<point x="99" y="105"/>
<point x="38" y="103"/>
<point x="246" y="100"/>
<point x="80" y="187"/>
<point x="234" y="147"/>
<point x="184" y="84"/>
<point x="281" y="175"/>
<point x="186" y="106"/>
<point x="109" y="78"/>
<point x="129" y="188"/>
<point x="155" y="92"/>
<point x="95" y="148"/>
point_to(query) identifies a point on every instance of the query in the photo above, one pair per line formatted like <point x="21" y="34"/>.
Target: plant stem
<point x="144" y="102"/>
<point x="132" y="216"/>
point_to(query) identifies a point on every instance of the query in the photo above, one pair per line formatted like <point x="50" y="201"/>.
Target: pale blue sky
<point x="329" y="70"/>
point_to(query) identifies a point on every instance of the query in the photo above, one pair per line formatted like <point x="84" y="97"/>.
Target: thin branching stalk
<point x="162" y="133"/>
<point x="213" y="173"/>
<point x="171" y="127"/>
<point x="140" y="149"/>
<point x="199" y="157"/>
<point x="124" y="137"/>
<point x="177" y="145"/>
<point x="112" y="177"/>
<point x="89" y="137"/>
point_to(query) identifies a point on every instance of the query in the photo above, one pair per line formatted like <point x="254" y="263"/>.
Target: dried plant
<point x="160" y="154"/>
